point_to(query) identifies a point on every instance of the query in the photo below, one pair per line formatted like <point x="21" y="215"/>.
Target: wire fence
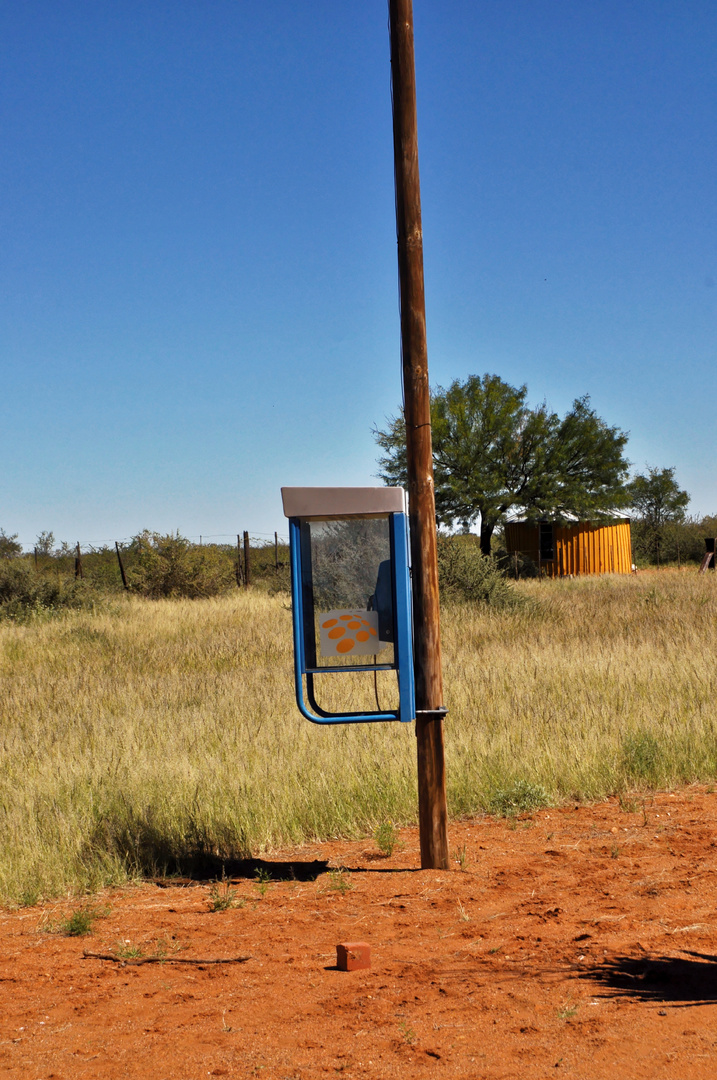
<point x="46" y="544"/>
<point x="216" y="559"/>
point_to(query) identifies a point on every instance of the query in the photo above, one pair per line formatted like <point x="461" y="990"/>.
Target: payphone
<point x="351" y="593"/>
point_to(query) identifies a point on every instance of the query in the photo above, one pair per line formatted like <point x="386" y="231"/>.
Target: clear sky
<point x="198" y="285"/>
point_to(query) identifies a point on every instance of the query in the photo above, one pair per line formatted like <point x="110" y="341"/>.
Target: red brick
<point x="353" y="955"/>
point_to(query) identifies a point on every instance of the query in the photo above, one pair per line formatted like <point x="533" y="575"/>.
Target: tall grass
<point x="137" y="737"/>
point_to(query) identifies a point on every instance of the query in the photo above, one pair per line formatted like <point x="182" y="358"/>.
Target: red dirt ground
<point x="580" y="942"/>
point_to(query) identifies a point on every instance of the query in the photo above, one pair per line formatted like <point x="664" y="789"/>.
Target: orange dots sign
<point x="350" y="633"/>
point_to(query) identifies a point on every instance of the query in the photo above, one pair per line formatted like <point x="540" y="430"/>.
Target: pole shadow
<point x="207" y="868"/>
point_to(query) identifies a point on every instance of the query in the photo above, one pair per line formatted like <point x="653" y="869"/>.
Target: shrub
<point x="171" y="566"/>
<point x="464" y="573"/>
<point x="9" y="546"/>
<point x="24" y="591"/>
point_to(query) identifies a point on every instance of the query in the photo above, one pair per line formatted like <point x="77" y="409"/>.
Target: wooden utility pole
<point x="432" y="812"/>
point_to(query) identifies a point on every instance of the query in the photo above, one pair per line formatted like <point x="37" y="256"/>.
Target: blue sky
<point x="198" y="294"/>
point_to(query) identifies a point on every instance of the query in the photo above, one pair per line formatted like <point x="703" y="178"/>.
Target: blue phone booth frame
<point x="301" y="506"/>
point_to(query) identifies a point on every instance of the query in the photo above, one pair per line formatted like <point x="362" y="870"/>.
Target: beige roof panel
<point x="323" y="502"/>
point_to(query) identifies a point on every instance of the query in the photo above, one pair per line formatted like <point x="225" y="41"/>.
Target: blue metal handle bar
<point x="299" y="654"/>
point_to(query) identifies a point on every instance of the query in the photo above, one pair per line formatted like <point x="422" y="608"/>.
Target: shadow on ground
<point x="200" y="869"/>
<point x="207" y="868"/>
<point x="690" y="979"/>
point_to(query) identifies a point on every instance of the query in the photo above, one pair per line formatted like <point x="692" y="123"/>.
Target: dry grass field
<point x="148" y="733"/>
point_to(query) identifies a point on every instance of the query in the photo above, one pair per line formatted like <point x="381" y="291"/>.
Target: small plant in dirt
<point x="614" y="852"/>
<point x="567" y="1011"/>
<point x="340" y="881"/>
<point x="125" y="950"/>
<point x="262" y="881"/>
<point x="522" y="796"/>
<point x="79" y="922"/>
<point x="164" y="948"/>
<point x="386" y="837"/>
<point x="407" y="1033"/>
<point x="461" y="857"/>
<point x="463" y="914"/>
<point x="222" y="896"/>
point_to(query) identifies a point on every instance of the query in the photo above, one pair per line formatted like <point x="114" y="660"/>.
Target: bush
<point x="171" y="566"/>
<point x="9" y="546"/>
<point x="25" y="591"/>
<point x="464" y="573"/>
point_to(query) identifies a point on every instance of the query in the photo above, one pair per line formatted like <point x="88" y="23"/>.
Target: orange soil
<point x="580" y="942"/>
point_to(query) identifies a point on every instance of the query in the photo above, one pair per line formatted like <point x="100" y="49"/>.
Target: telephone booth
<point x="351" y="594"/>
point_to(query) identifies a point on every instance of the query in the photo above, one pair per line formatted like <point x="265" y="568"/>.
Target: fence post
<point x="119" y="560"/>
<point x="246" y="560"/>
<point x="239" y="569"/>
<point x="276" y="551"/>
<point x="78" y="563"/>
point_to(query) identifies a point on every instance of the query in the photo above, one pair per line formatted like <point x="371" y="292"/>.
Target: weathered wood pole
<point x="239" y="569"/>
<point x="121" y="566"/>
<point x="78" y="562"/>
<point x="276" y="551"/>
<point x="432" y="812"/>
<point x="246" y="560"/>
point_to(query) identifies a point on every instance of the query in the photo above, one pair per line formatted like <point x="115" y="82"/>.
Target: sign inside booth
<point x="350" y="632"/>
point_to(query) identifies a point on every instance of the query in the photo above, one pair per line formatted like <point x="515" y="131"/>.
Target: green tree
<point x="45" y="543"/>
<point x="494" y="454"/>
<point x="658" y="503"/>
<point x="9" y="546"/>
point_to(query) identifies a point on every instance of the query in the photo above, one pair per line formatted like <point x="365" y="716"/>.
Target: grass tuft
<point x="520" y="797"/>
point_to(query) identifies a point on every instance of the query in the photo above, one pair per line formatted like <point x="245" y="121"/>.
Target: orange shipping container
<point x="565" y="550"/>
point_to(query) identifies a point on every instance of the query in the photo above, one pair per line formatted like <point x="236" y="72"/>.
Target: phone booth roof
<point x="333" y="502"/>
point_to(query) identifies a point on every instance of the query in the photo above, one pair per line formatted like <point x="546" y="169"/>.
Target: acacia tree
<point x="9" y="545"/>
<point x="658" y="502"/>
<point x="494" y="454"/>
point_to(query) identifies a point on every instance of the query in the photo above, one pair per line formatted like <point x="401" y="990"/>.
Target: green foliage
<point x="222" y="896"/>
<point x="340" y="881"/>
<point x="262" y="881"/>
<point x="25" y="591"/>
<point x="519" y="797"/>
<point x="79" y="922"/>
<point x="171" y="566"/>
<point x="660" y="506"/>
<point x="465" y="574"/>
<point x="9" y="546"/>
<point x="386" y="837"/>
<point x="45" y="543"/>
<point x="642" y="757"/>
<point x="494" y="454"/>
